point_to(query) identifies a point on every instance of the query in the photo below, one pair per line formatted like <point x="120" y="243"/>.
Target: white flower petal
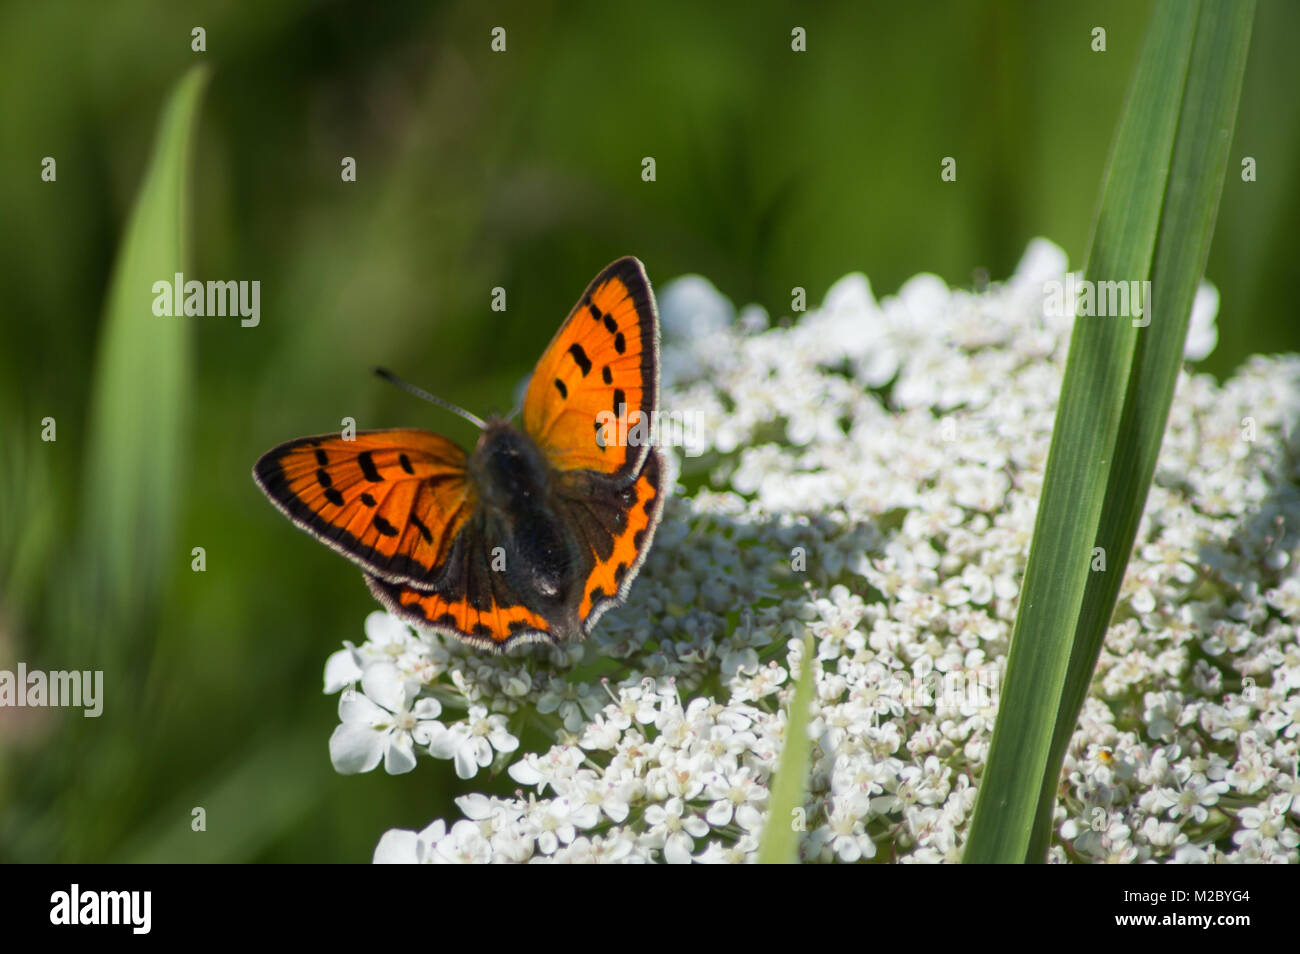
<point x="384" y="628"/>
<point x="678" y="848"/>
<point x="356" y="709"/>
<point x="400" y="756"/>
<point x="719" y="814"/>
<point x="355" y="749"/>
<point x="426" y="708"/>
<point x="1202" y="332"/>
<point x="466" y="764"/>
<point x="442" y="741"/>
<point x="384" y="683"/>
<point x="397" y="846"/>
<point x="341" y="670"/>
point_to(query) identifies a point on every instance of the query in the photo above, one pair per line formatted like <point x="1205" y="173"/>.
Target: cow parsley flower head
<point x="867" y="475"/>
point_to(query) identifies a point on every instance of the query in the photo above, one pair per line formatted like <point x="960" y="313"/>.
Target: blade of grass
<point x="131" y="482"/>
<point x="142" y="381"/>
<point x="1087" y="420"/>
<point x="780" y="836"/>
<point x="1113" y="408"/>
<point x="1196" y="177"/>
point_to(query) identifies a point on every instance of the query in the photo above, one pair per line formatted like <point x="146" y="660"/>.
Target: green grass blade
<point x="1195" y="179"/>
<point x="1155" y="223"/>
<point x="780" y="836"/>
<point x="142" y="382"/>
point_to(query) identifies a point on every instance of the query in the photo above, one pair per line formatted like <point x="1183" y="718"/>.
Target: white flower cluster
<point x="871" y="481"/>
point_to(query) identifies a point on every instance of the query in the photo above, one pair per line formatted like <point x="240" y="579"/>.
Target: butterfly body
<point x="539" y="530"/>
<point x="518" y="510"/>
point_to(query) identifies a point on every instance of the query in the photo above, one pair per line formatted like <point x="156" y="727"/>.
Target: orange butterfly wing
<point x="391" y="501"/>
<point x="606" y="354"/>
<point x="603" y="364"/>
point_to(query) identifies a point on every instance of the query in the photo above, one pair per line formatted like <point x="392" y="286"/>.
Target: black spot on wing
<point x="406" y="464"/>
<point x="580" y="357"/>
<point x="334" y="497"/>
<point x="424" y="530"/>
<point x="559" y="386"/>
<point x="620" y="343"/>
<point x="368" y="469"/>
<point x="606" y="376"/>
<point x="384" y="527"/>
<point x="610" y="324"/>
<point x="368" y="500"/>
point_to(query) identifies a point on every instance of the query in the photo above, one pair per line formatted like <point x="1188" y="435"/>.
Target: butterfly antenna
<point x="421" y="393"/>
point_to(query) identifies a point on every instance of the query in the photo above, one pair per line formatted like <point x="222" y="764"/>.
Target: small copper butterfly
<point x="536" y="533"/>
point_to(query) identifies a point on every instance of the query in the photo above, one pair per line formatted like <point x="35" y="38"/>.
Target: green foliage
<point x="1155" y="223"/>
<point x="790" y="784"/>
<point x="141" y="394"/>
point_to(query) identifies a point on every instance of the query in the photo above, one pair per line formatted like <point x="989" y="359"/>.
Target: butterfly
<point x="538" y="531"/>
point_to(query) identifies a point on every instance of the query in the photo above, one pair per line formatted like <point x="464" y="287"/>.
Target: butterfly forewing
<point x="390" y="501"/>
<point x="601" y="368"/>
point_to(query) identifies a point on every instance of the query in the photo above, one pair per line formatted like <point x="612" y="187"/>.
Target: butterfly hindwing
<point x="391" y="501"/>
<point x="612" y="527"/>
<point x="476" y="601"/>
<point x="495" y="628"/>
<point x="615" y="526"/>
<point x="601" y="367"/>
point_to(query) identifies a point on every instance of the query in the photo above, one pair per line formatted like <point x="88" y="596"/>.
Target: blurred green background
<point x="475" y="169"/>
